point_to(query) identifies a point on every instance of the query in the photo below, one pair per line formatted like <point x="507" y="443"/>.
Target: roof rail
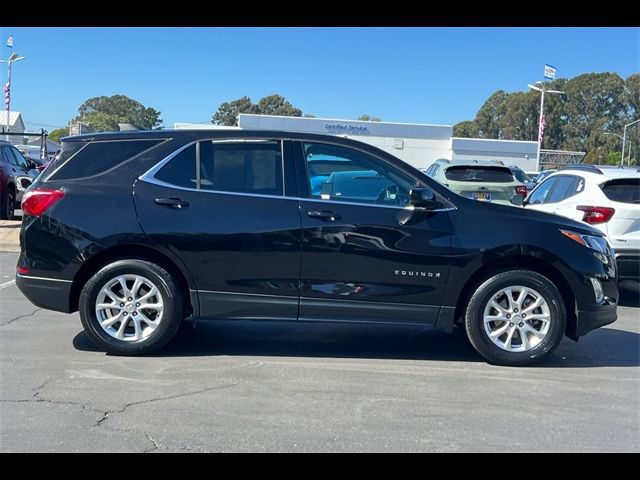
<point x="581" y="166"/>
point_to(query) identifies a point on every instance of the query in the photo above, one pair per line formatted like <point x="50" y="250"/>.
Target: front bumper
<point x="591" y="319"/>
<point x="52" y="294"/>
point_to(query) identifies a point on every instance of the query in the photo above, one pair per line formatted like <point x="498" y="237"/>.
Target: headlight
<point x="594" y="242"/>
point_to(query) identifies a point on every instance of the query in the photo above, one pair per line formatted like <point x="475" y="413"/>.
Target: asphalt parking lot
<point x="261" y="386"/>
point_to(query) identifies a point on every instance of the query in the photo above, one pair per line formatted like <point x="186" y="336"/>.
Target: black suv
<point x="16" y="175"/>
<point x="141" y="230"/>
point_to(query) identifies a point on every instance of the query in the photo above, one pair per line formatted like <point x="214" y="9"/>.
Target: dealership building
<point x="417" y="144"/>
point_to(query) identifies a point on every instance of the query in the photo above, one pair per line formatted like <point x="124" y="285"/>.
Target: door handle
<point x="172" y="202"/>
<point x="324" y="215"/>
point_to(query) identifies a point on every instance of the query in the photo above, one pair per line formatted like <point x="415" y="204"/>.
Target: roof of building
<point x="15" y="119"/>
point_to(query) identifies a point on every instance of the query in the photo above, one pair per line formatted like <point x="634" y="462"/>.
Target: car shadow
<point x="605" y="347"/>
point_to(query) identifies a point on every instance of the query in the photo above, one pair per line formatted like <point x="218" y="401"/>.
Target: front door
<point x="366" y="255"/>
<point x="220" y="207"/>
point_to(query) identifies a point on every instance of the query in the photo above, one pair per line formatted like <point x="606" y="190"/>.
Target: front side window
<point x="344" y="174"/>
<point x="540" y="194"/>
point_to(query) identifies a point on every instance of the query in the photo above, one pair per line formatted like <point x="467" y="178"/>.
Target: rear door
<point x="221" y="207"/>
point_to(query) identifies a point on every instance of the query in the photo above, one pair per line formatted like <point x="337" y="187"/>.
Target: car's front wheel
<point x="131" y="307"/>
<point x="515" y="318"/>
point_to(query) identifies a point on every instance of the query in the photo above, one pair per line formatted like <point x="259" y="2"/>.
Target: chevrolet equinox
<point x="140" y="230"/>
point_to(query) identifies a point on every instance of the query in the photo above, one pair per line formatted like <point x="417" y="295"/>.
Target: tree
<point x="465" y="129"/>
<point x="489" y="117"/>
<point x="227" y="113"/>
<point x="277" y="105"/>
<point x="519" y="118"/>
<point x="103" y="114"/>
<point x="368" y="118"/>
<point x="58" y="133"/>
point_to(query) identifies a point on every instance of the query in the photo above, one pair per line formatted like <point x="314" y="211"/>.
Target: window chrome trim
<point x="149" y="177"/>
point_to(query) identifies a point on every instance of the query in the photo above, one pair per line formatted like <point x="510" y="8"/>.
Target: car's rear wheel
<point x="7" y="205"/>
<point x="131" y="307"/>
<point x="515" y="318"/>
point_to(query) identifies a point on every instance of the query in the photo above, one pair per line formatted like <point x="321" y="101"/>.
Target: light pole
<point x="624" y="139"/>
<point x="14" y="57"/>
<point x="539" y="86"/>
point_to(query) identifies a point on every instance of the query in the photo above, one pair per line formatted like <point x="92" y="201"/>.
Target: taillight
<point x="595" y="215"/>
<point x="36" y="202"/>
<point x="521" y="190"/>
<point x="22" y="270"/>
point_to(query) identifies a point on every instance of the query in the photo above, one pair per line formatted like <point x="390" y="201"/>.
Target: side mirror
<point x="517" y="200"/>
<point x="31" y="164"/>
<point x="425" y="198"/>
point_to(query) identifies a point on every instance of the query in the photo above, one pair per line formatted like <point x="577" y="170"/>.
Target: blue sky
<point x="421" y="75"/>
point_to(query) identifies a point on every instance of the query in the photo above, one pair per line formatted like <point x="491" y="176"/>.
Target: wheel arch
<point x="138" y="252"/>
<point x="519" y="262"/>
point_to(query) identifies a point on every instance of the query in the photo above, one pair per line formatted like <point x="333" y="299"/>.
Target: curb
<point x="9" y="247"/>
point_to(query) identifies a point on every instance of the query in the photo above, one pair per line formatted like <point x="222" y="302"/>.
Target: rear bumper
<point x="52" y="294"/>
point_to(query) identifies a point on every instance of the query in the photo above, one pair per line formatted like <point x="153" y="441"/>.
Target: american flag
<point x="543" y="123"/>
<point x="7" y="95"/>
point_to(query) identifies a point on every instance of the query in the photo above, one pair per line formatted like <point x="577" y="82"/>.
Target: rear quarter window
<point x="623" y="190"/>
<point x="479" y="174"/>
<point x="80" y="159"/>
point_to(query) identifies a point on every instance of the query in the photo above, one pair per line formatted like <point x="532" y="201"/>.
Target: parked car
<point x="32" y="152"/>
<point x="521" y="176"/>
<point x="483" y="180"/>
<point x="140" y="230"/>
<point x="16" y="175"/>
<point x="607" y="198"/>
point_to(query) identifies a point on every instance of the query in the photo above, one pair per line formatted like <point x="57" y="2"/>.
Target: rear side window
<point x="181" y="169"/>
<point x="520" y="175"/>
<point x="624" y="190"/>
<point x="479" y="174"/>
<point x="433" y="170"/>
<point x="241" y="167"/>
<point x="564" y="188"/>
<point x="98" y="157"/>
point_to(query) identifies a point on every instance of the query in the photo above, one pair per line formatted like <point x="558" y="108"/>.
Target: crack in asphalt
<point x="20" y="317"/>
<point x="156" y="444"/>
<point x="108" y="413"/>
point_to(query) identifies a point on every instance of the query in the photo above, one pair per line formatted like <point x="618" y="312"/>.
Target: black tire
<point x="474" y="318"/>
<point x="168" y="290"/>
<point x="7" y="204"/>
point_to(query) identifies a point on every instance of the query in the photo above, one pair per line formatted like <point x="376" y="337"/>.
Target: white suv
<point x="606" y="197"/>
